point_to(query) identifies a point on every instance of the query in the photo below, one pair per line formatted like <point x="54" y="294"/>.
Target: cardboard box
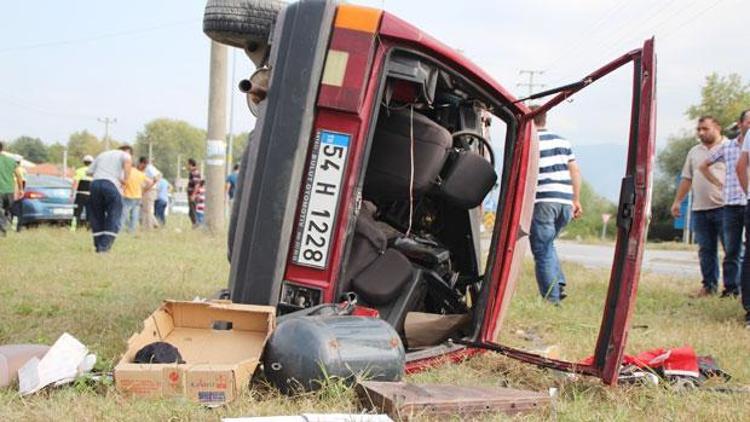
<point x="218" y="363"/>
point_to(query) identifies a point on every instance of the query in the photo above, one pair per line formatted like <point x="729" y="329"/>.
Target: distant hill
<point x="603" y="166"/>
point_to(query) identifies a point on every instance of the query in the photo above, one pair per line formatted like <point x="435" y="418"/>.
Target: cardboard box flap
<point x="203" y="315"/>
<point x="156" y="327"/>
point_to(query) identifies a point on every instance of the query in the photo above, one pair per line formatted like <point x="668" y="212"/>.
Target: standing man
<point x="81" y="192"/>
<point x="110" y="170"/>
<point x="162" y="201"/>
<point x="742" y="169"/>
<point x="735" y="200"/>
<point x="231" y="185"/>
<point x="132" y="195"/>
<point x="194" y="179"/>
<point x="149" y="195"/>
<point x="557" y="201"/>
<point x="11" y="188"/>
<point x="708" y="203"/>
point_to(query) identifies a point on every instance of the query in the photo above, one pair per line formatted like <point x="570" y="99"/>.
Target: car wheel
<point x="243" y="24"/>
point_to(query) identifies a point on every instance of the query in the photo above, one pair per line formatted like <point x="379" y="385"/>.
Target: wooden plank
<point x="403" y="401"/>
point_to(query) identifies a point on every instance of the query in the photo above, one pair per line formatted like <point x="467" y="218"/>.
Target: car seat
<point x="381" y="276"/>
<point x="388" y="174"/>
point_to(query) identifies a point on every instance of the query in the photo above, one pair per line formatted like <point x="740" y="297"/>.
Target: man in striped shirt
<point x="557" y="201"/>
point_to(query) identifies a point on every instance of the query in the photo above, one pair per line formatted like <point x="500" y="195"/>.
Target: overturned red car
<point x="368" y="165"/>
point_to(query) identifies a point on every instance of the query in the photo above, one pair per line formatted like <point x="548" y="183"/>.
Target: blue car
<point x="47" y="199"/>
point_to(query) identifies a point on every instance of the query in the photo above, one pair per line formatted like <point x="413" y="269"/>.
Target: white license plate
<point x="321" y="199"/>
<point x="62" y="211"/>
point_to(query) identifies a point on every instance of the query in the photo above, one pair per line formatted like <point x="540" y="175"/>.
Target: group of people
<point x="111" y="191"/>
<point x="716" y="174"/>
<point x="145" y="193"/>
<point x="124" y="195"/>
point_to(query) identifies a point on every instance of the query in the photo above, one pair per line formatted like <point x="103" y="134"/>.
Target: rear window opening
<point x="431" y="176"/>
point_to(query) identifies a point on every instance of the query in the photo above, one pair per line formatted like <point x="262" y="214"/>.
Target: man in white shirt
<point x="110" y="170"/>
<point x="707" y="204"/>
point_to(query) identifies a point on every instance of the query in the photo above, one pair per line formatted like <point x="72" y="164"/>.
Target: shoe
<point x="733" y="293"/>
<point x="703" y="292"/>
<point x="563" y="295"/>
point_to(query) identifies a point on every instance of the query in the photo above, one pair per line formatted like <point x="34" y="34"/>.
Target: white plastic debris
<point x="67" y="359"/>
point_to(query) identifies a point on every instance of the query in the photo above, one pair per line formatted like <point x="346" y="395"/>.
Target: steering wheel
<point x="481" y="139"/>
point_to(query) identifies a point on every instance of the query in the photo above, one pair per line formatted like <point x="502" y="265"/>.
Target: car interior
<point x="415" y="247"/>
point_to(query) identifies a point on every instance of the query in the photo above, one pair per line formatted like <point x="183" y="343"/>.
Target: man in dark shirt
<point x="194" y="178"/>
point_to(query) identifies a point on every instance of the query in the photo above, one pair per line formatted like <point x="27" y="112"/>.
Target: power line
<point x="96" y="37"/>
<point x="667" y="34"/>
<point x="41" y="110"/>
<point x="626" y="33"/>
<point x="578" y="43"/>
<point x="612" y="44"/>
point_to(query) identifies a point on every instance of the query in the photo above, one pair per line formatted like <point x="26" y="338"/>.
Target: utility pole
<point x="216" y="146"/>
<point x="65" y="162"/>
<point x="107" y="121"/>
<point x="230" y="148"/>
<point x="531" y="85"/>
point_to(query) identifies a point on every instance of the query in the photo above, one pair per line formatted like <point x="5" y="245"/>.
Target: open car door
<point x="632" y="220"/>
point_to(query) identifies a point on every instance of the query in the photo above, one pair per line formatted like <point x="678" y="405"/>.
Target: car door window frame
<point x="632" y="220"/>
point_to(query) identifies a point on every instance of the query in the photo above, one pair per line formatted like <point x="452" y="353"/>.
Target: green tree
<point x="32" y="149"/>
<point x="55" y="153"/>
<point x="170" y="139"/>
<point x="238" y="147"/>
<point x="723" y="97"/>
<point x="590" y="225"/>
<point x="671" y="159"/>
<point x="81" y="144"/>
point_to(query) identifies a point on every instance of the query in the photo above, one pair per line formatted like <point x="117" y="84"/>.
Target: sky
<point x="64" y="65"/>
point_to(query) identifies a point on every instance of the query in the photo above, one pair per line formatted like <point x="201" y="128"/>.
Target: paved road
<point x="677" y="263"/>
<point x="680" y="263"/>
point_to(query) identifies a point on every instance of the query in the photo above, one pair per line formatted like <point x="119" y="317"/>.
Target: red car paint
<point x="348" y="108"/>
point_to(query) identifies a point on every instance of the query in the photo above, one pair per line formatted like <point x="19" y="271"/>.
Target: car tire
<point x="244" y="24"/>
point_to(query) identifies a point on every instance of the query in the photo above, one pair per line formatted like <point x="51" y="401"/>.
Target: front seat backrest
<point x="389" y="168"/>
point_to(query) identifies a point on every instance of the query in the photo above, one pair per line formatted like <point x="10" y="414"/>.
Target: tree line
<point x="172" y="143"/>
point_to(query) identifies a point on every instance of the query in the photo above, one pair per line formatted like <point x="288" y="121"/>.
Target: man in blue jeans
<point x="708" y="204"/>
<point x="110" y="170"/>
<point x="742" y="170"/>
<point x="735" y="200"/>
<point x="557" y="201"/>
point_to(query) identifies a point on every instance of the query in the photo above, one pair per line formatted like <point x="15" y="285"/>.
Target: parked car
<point x="47" y="199"/>
<point x="369" y="161"/>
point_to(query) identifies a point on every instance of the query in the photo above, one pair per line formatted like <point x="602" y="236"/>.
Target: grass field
<point x="51" y="282"/>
